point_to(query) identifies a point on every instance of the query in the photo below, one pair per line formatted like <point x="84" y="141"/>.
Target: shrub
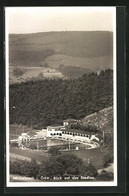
<point x="30" y="169"/>
<point x="54" y="151"/>
<point x="105" y="176"/>
<point x="88" y="128"/>
<point x="15" y="167"/>
<point x="108" y="140"/>
<point x="66" y="164"/>
<point x="40" y="76"/>
<point x="107" y="158"/>
<point x="91" y="171"/>
<point x="33" y="146"/>
<point x="26" y="168"/>
<point x="18" y="72"/>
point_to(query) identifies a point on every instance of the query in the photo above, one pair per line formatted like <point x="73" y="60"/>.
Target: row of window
<point x="69" y="133"/>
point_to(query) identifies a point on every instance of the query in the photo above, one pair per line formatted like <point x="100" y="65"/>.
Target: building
<point x="42" y="133"/>
<point x="55" y="130"/>
<point x="23" y="138"/>
<point x="70" y="121"/>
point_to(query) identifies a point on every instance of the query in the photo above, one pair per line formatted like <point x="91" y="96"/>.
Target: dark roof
<point x="55" y="126"/>
<point x="70" y="120"/>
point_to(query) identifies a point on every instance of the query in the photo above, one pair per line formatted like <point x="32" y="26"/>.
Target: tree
<point x="51" y="168"/>
<point x="40" y="76"/>
<point x="90" y="170"/>
<point x="54" y="151"/>
<point x="77" y="98"/>
<point x="66" y="164"/>
<point x="18" y="72"/>
<point x="30" y="168"/>
<point x="15" y="167"/>
<point x="107" y="158"/>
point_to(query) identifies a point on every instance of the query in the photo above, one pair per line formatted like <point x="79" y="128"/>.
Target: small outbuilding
<point x="70" y="121"/>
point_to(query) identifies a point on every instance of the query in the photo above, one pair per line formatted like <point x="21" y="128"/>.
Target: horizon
<point x="58" y="32"/>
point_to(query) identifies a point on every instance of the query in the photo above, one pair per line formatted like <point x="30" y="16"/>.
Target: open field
<point x="31" y="154"/>
<point x="94" y="155"/>
<point x="15" y="130"/>
<point x="29" y="73"/>
<point x="90" y="63"/>
<point x="14" y="157"/>
<point x="18" y="129"/>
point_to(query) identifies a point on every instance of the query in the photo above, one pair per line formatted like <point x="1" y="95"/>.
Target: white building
<point x="42" y="133"/>
<point x="23" y="138"/>
<point x="55" y="130"/>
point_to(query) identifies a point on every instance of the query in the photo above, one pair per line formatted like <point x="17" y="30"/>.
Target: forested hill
<point x="48" y="101"/>
<point x="103" y="119"/>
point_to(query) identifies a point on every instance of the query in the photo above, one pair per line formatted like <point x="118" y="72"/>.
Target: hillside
<point x="90" y="50"/>
<point x="102" y="119"/>
<point x="49" y="102"/>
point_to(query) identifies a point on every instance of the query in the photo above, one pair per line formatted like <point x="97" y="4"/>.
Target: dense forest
<point x="46" y="102"/>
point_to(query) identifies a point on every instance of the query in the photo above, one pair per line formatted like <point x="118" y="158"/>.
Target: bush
<point x="91" y="171"/>
<point x="26" y="168"/>
<point x="18" y="72"/>
<point x="54" y="151"/>
<point x="33" y="146"/>
<point x="88" y="128"/>
<point x="105" y="176"/>
<point x="107" y="158"/>
<point x="108" y="140"/>
<point x="30" y="169"/>
<point x="15" y="167"/>
<point x="40" y="76"/>
<point x="66" y="164"/>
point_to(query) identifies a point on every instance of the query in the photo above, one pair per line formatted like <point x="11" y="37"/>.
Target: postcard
<point x="61" y="101"/>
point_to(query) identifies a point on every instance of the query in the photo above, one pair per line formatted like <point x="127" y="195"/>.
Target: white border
<point x="60" y="184"/>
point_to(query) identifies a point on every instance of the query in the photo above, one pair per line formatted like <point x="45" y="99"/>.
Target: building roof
<point x="70" y="120"/>
<point x="78" y="131"/>
<point x="56" y="126"/>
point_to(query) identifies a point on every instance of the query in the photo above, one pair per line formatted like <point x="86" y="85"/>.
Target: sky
<point x="20" y="20"/>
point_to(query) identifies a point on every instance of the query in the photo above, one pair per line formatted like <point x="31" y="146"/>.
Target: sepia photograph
<point x="61" y="113"/>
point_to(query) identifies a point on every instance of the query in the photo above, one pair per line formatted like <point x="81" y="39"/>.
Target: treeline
<point x="50" y="101"/>
<point x="89" y="128"/>
<point x="61" y="166"/>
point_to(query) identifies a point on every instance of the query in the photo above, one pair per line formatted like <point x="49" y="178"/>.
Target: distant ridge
<point x="92" y="50"/>
<point x="55" y="32"/>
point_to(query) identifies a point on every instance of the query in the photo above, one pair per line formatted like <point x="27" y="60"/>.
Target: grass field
<point x="31" y="154"/>
<point x="14" y="157"/>
<point x="15" y="130"/>
<point x="30" y="73"/>
<point x="94" y="156"/>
